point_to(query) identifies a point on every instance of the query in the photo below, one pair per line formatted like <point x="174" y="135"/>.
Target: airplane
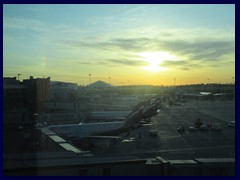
<point x="218" y="95"/>
<point x="109" y="115"/>
<point x="121" y="115"/>
<point x="207" y="95"/>
<point x="108" y="130"/>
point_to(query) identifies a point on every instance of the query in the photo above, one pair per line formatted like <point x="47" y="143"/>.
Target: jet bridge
<point x="49" y="140"/>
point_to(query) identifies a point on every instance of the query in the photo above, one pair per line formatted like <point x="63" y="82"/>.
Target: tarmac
<point x="171" y="144"/>
<point x="168" y="142"/>
<point x="159" y="139"/>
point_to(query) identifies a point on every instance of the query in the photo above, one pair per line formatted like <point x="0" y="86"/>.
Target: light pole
<point x="18" y="76"/>
<point x="233" y="87"/>
<point x="89" y="78"/>
<point x="208" y="87"/>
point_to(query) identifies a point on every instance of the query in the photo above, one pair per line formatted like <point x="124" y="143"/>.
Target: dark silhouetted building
<point x="15" y="95"/>
<point x="27" y="96"/>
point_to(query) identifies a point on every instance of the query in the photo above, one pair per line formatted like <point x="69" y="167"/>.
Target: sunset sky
<point x="146" y="44"/>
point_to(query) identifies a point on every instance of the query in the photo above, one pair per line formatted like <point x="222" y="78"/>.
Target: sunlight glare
<point x="155" y="58"/>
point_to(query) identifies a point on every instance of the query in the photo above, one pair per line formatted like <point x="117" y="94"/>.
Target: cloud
<point x="44" y="32"/>
<point x="131" y="45"/>
<point x="85" y="62"/>
<point x="207" y="50"/>
<point x="197" y="51"/>
<point x="124" y="44"/>
<point x="181" y="64"/>
<point x="111" y="62"/>
<point x="184" y="68"/>
<point x="127" y="62"/>
<point x="170" y="63"/>
<point x="24" y="24"/>
<point x="115" y="62"/>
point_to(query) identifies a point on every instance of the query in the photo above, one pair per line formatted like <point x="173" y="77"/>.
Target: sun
<point x="155" y="58"/>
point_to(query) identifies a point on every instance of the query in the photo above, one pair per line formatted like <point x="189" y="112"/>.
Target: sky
<point x="124" y="44"/>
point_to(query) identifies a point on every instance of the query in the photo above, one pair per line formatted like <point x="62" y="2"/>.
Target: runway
<point x="171" y="144"/>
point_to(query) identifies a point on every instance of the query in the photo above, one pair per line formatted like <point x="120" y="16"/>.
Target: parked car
<point x="181" y="129"/>
<point x="204" y="127"/>
<point x="192" y="129"/>
<point x="153" y="133"/>
<point x="216" y="127"/>
<point x="231" y="124"/>
<point x="20" y="127"/>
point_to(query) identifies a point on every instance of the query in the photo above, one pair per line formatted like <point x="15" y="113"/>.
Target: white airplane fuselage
<point x="109" y="114"/>
<point x="105" y="128"/>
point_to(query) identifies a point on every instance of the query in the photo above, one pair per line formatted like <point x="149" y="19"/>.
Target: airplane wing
<point x="95" y="138"/>
<point x="89" y="142"/>
<point x="104" y="137"/>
